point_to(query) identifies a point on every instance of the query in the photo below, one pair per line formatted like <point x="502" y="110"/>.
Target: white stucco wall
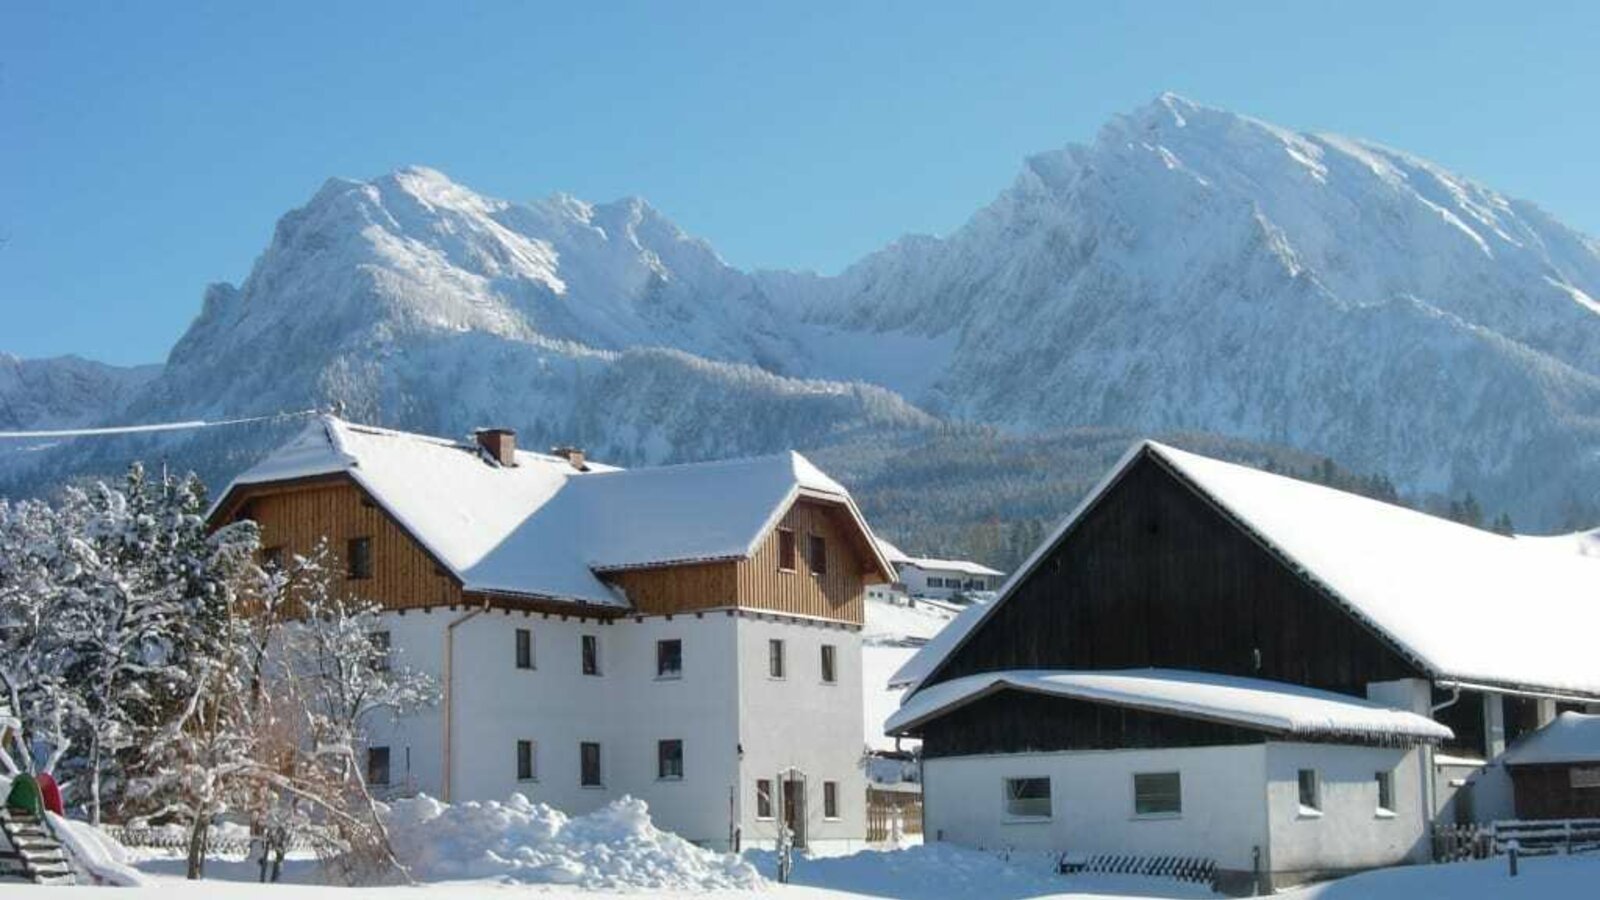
<point x="723" y="700"/>
<point x="1223" y="817"/>
<point x="801" y="722"/>
<point x="1350" y="832"/>
<point x="625" y="708"/>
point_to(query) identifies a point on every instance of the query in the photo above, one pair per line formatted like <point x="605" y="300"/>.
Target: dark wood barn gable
<point x="1155" y="574"/>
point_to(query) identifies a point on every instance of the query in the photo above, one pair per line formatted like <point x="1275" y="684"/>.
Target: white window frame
<point x="669" y="676"/>
<point x="1133" y="785"/>
<point x="1385" y="780"/>
<point x="599" y="783"/>
<point x="533" y="656"/>
<point x="782" y="659"/>
<point x="1314" y="810"/>
<point x="828" y="654"/>
<point x="533" y="760"/>
<point x="772" y="808"/>
<point x="1019" y="818"/>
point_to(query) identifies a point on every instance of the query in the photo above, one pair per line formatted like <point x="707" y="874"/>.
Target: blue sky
<point x="147" y="149"/>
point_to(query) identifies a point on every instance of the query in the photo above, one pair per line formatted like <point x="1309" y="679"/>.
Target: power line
<point x="146" y="429"/>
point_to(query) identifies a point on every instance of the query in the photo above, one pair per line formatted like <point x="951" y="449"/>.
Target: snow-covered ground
<point x="890" y="637"/>
<point x="936" y="872"/>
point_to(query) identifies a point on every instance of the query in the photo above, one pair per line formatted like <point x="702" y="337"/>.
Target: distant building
<point x="937" y="579"/>
<point x="1290" y="682"/>
<point x="688" y="635"/>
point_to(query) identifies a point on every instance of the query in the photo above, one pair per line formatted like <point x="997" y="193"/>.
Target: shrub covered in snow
<point x="519" y="840"/>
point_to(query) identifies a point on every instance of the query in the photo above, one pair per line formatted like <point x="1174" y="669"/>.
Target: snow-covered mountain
<point x="1190" y="269"/>
<point x="1197" y="269"/>
<point x="64" y="391"/>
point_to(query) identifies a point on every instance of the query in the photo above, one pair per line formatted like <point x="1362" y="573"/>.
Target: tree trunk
<point x="197" y="847"/>
<point x="94" y="780"/>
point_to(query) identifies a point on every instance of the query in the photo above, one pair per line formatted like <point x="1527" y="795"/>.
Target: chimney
<point x="573" y="456"/>
<point x="499" y="443"/>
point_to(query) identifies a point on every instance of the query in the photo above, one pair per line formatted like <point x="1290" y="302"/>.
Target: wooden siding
<point x="1155" y="575"/>
<point x="1023" y="722"/>
<point x="404" y="576"/>
<point x="1546" y="792"/>
<point x="839" y="594"/>
<point x="678" y="589"/>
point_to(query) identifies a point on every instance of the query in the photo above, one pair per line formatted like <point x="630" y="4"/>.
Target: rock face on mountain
<point x="1190" y="269"/>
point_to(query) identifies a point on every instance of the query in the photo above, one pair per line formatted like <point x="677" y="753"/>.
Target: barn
<point x="1282" y="679"/>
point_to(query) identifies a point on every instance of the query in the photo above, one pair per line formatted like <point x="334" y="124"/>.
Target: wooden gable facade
<point x="295" y="515"/>
<point x="1155" y="574"/>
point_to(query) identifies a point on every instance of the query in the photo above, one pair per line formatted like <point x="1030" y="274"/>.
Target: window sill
<point x="833" y="818"/>
<point x="669" y="778"/>
<point x="1307" y="812"/>
<point x="764" y="818"/>
<point x="592" y="787"/>
<point x="1026" y="820"/>
<point x="1381" y="813"/>
<point x="826" y="683"/>
<point x="677" y="677"/>
<point x="776" y="678"/>
<point x="1154" y="817"/>
<point x="534" y="780"/>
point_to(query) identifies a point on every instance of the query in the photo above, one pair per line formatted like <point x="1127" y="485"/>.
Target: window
<point x="830" y="799"/>
<point x="1583" y="779"/>
<point x="786" y="549"/>
<point x="669" y="760"/>
<point x="763" y="798"/>
<point x="1157" y="794"/>
<point x="774" y="658"/>
<point x="358" y="557"/>
<point x="591" y="655"/>
<point x="1310" y="791"/>
<point x="524" y="648"/>
<point x="830" y="673"/>
<point x="935" y="582"/>
<point x="589" y="764"/>
<point x="378" y="765"/>
<point x="527" y="763"/>
<point x="272" y="557"/>
<point x="1385" y="791"/>
<point x="1028" y="798"/>
<point x="380" y="650"/>
<point x="817" y="555"/>
<point x="669" y="659"/>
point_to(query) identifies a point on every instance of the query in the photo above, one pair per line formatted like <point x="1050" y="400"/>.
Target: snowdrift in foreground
<point x="96" y="854"/>
<point x="522" y="841"/>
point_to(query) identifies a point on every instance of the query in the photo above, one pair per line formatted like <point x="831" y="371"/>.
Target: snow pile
<point x="97" y="854"/>
<point x="522" y="841"/>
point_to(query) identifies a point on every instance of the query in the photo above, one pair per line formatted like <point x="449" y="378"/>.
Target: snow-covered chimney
<point x="573" y="455"/>
<point x="499" y="443"/>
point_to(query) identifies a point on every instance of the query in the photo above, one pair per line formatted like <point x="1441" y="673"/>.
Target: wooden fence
<point x="886" y="806"/>
<point x="1453" y="843"/>
<point x="1181" y="868"/>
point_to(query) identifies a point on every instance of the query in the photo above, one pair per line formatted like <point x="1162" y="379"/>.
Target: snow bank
<point x="96" y="853"/>
<point x="522" y="841"/>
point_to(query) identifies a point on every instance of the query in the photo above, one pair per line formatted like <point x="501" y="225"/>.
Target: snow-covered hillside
<point x="1190" y="269"/>
<point x="65" y="391"/>
<point x="891" y="637"/>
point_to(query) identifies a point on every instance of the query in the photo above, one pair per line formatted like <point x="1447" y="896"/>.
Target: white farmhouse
<point x="689" y="635"/>
<point x="938" y="579"/>
<point x="1268" y="677"/>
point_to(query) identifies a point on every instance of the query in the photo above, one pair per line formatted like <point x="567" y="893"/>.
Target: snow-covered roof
<point x="1270" y="706"/>
<point x="542" y="527"/>
<point x="1572" y="738"/>
<point x="1468" y="606"/>
<point x="892" y="553"/>
<point x="920" y="666"/>
<point x="964" y="566"/>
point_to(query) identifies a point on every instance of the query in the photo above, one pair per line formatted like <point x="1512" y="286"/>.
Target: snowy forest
<point x="162" y="674"/>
